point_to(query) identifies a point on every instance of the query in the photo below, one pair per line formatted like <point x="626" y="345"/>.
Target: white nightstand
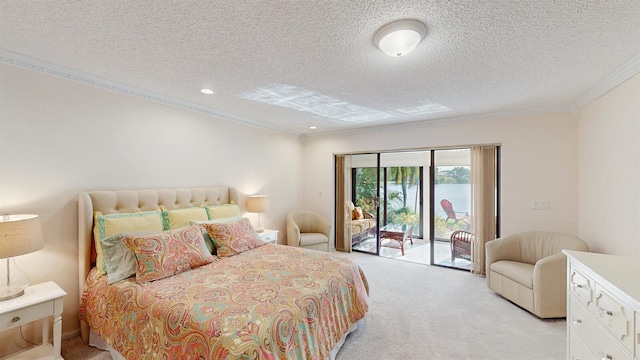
<point x="38" y="302"/>
<point x="270" y="236"/>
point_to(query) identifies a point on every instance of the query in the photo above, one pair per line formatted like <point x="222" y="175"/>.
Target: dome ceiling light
<point x="400" y="37"/>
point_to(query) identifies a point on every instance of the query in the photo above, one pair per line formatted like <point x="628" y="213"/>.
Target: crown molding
<point x="622" y="74"/>
<point x="87" y="79"/>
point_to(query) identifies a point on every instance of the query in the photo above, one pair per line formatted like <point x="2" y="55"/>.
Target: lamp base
<point x="11" y="296"/>
<point x="13" y="280"/>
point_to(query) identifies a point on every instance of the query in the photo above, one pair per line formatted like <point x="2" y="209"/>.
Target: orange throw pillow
<point x="357" y="213"/>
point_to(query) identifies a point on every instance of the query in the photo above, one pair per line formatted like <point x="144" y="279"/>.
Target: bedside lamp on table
<point x="258" y="204"/>
<point x="19" y="235"/>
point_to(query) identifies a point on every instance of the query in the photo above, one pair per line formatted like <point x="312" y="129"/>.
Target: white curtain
<point x="343" y="198"/>
<point x="483" y="203"/>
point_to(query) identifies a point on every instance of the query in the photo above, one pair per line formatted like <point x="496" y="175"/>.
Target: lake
<point x="458" y="194"/>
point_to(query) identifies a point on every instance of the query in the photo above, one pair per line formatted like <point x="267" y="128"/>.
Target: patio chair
<point x="451" y="214"/>
<point x="461" y="245"/>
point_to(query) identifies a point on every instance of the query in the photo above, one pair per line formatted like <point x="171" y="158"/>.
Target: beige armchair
<point x="308" y="229"/>
<point x="530" y="270"/>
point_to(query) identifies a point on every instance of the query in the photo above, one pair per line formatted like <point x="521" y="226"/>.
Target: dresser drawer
<point x="582" y="287"/>
<point x="26" y="315"/>
<point x="584" y="323"/>
<point x="577" y="348"/>
<point x="615" y="316"/>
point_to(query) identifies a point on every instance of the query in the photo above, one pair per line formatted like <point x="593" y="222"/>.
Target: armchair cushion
<point x="522" y="273"/>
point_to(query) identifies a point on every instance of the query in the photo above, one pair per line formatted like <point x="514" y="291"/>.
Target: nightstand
<point x="270" y="236"/>
<point x="38" y="302"/>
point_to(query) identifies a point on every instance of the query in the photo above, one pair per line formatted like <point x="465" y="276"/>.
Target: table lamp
<point x="19" y="235"/>
<point x="258" y="204"/>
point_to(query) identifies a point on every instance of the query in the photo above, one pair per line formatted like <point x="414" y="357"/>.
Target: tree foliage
<point x="457" y="175"/>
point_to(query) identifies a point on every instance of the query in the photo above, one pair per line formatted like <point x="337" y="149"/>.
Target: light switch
<point x="540" y="204"/>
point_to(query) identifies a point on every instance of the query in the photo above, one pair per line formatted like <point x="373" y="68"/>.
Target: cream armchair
<point x="308" y="229"/>
<point x="530" y="270"/>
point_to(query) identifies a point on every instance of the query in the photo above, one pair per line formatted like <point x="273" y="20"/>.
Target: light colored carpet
<point x="75" y="349"/>
<point x="426" y="312"/>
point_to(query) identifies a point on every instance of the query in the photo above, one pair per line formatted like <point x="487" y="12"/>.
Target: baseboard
<point x="70" y="334"/>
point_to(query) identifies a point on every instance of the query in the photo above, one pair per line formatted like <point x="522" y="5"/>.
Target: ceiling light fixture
<point x="313" y="127"/>
<point x="206" y="91"/>
<point x="400" y="37"/>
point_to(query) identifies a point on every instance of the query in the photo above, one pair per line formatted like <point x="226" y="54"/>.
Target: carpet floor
<point x="427" y="312"/>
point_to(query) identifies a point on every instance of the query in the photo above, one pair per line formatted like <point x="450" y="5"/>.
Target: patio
<point x="418" y="252"/>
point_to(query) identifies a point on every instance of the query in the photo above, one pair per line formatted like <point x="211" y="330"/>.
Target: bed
<point x="251" y="300"/>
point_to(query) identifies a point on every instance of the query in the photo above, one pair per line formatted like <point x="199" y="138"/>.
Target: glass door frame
<point x="382" y="193"/>
<point x="432" y="210"/>
<point x="376" y="200"/>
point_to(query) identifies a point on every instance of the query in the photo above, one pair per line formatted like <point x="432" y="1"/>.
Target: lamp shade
<point x="400" y="37"/>
<point x="257" y="203"/>
<point x="19" y="235"/>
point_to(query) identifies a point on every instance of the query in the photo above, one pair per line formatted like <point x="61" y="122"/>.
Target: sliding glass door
<point x="451" y="188"/>
<point x="387" y="188"/>
<point x="447" y="199"/>
<point x="366" y="192"/>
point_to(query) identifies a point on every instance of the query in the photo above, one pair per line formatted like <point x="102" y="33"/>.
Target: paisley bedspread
<point x="272" y="302"/>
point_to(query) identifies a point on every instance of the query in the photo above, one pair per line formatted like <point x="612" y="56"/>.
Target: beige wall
<point x="59" y="137"/>
<point x="609" y="175"/>
<point x="539" y="162"/>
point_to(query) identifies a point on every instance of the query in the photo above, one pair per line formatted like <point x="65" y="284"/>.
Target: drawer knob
<point x="605" y="356"/>
<point x="576" y="286"/>
<point x="15" y="319"/>
<point x="605" y="312"/>
<point x="576" y="321"/>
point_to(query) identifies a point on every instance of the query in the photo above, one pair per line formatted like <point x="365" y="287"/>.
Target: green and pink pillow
<point x="168" y="253"/>
<point x="235" y="237"/>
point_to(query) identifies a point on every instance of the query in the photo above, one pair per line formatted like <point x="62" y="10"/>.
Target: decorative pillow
<point x="119" y="261"/>
<point x="231" y="238"/>
<point x="357" y="213"/>
<point x="107" y="225"/>
<point x="168" y="253"/>
<point x="178" y="218"/>
<point x="207" y="239"/>
<point x="223" y="211"/>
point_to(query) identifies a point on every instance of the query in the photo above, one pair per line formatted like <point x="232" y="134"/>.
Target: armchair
<point x="308" y="229"/>
<point x="461" y="245"/>
<point x="530" y="270"/>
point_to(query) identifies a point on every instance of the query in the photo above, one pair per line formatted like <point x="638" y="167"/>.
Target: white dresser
<point x="603" y="306"/>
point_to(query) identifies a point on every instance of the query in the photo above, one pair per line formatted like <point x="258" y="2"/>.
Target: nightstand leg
<point x="57" y="336"/>
<point x="45" y="331"/>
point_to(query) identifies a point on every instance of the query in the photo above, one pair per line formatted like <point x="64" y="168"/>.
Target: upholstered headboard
<point x="131" y="201"/>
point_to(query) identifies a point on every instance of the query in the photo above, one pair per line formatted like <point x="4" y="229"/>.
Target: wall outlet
<point x="540" y="204"/>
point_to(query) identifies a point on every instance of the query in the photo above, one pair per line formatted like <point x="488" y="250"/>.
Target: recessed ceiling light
<point x="400" y="37"/>
<point x="206" y="91"/>
<point x="313" y="127"/>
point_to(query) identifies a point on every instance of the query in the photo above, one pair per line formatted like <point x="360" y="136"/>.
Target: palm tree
<point x="404" y="176"/>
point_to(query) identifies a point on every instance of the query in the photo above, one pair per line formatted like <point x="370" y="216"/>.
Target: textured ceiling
<point x="287" y="65"/>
